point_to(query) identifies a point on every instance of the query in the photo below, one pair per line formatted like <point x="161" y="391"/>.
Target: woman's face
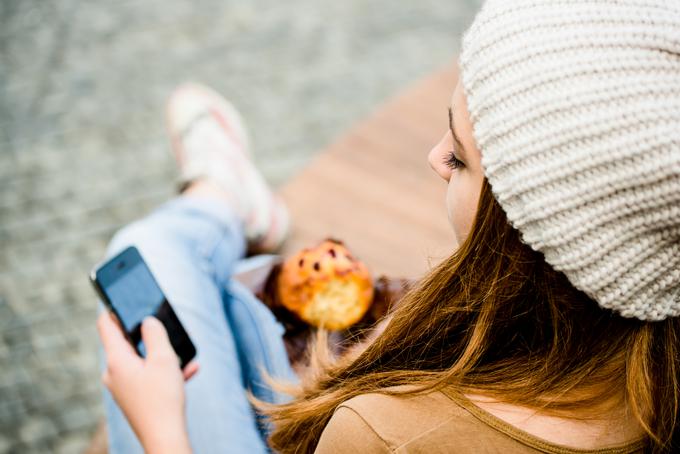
<point x="458" y="161"/>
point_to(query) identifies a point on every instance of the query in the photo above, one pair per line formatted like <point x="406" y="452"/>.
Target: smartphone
<point x="127" y="287"/>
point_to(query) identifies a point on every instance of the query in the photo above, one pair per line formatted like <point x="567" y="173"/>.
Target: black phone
<point x="127" y="287"/>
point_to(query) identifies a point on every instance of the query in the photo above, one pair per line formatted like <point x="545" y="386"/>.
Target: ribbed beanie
<point x="575" y="107"/>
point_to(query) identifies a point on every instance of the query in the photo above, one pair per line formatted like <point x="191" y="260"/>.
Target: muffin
<point x="326" y="286"/>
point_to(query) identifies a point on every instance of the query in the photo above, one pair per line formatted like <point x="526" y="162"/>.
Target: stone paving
<point x="83" y="149"/>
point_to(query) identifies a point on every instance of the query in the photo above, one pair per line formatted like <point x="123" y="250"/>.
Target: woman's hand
<point x="149" y="391"/>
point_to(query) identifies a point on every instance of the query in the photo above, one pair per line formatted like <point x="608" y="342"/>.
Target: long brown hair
<point x="495" y="319"/>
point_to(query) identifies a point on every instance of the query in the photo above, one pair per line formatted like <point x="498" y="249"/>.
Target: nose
<point x="431" y="158"/>
<point x="436" y="159"/>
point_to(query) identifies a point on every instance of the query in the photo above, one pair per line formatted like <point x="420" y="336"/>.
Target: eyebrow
<point x="456" y="139"/>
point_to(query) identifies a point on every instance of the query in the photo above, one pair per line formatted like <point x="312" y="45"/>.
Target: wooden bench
<point x="374" y="190"/>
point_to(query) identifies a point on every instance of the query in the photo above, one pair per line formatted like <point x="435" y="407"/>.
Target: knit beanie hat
<point x="575" y="107"/>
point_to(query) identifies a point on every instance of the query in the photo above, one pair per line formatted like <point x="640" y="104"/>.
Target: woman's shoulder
<point x="378" y="422"/>
<point x="397" y="415"/>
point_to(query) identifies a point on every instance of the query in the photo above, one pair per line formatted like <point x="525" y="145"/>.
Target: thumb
<point x="156" y="339"/>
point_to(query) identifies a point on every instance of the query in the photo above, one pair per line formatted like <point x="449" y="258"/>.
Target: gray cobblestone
<point x="5" y="444"/>
<point x="37" y="429"/>
<point x="83" y="149"/>
<point x="71" y="444"/>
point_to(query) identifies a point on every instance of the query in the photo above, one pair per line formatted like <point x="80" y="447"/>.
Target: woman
<point x="554" y="327"/>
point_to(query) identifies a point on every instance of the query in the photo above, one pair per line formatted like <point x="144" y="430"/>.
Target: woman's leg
<point x="258" y="337"/>
<point x="191" y="246"/>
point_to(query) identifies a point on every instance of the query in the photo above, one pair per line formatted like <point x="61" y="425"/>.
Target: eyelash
<point x="453" y="162"/>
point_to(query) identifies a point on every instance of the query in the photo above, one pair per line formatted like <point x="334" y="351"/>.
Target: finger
<point x="156" y="340"/>
<point x="106" y="379"/>
<point x="115" y="320"/>
<point x="190" y="370"/>
<point x="112" y="337"/>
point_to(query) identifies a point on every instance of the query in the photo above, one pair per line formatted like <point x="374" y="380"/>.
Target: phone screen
<point x="127" y="286"/>
<point x="136" y="295"/>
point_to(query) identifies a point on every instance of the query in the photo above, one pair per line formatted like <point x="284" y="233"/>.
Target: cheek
<point x="462" y="197"/>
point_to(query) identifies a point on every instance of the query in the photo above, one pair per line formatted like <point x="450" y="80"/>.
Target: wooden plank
<point x="374" y="190"/>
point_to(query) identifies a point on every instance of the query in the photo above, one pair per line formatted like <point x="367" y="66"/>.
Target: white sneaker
<point x="210" y="142"/>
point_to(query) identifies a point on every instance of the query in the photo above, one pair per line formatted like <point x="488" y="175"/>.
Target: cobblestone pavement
<point x="83" y="151"/>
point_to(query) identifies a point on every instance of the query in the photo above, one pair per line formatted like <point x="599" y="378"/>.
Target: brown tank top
<point x="432" y="423"/>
